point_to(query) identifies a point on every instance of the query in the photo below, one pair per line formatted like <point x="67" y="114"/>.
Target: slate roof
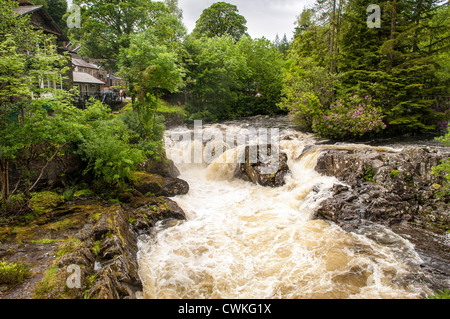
<point x="84" y="64"/>
<point x="81" y="77"/>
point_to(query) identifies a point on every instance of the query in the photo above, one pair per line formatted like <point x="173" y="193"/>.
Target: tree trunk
<point x="393" y="25"/>
<point x="4" y="181"/>
<point x="416" y="33"/>
<point x="333" y="27"/>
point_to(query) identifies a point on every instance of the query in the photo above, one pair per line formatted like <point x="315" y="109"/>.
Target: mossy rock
<point x="147" y="183"/>
<point x="156" y="185"/>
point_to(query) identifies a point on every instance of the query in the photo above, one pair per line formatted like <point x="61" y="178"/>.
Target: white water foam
<point x="242" y="240"/>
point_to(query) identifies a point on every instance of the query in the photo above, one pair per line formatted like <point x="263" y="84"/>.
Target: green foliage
<point x="402" y="65"/>
<point x="308" y="89"/>
<point x="305" y="111"/>
<point x="394" y="173"/>
<point x="28" y="57"/>
<point x="231" y="80"/>
<point x="108" y="154"/>
<point x="13" y="273"/>
<point x="107" y="25"/>
<point x="221" y="19"/>
<point x="44" y="201"/>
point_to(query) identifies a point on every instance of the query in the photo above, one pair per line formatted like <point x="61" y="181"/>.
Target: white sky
<point x="265" y="18"/>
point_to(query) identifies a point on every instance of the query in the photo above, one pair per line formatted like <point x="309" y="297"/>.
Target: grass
<point x="164" y="107"/>
<point x="441" y="295"/>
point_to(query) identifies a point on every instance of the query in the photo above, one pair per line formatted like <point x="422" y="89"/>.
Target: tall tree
<point x="108" y="24"/>
<point x="27" y="58"/>
<point x="220" y="19"/>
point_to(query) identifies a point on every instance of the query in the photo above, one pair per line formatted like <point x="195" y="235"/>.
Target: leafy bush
<point x="343" y="121"/>
<point x="108" y="153"/>
<point x="151" y="147"/>
<point x="306" y="110"/>
<point x="13" y="273"/>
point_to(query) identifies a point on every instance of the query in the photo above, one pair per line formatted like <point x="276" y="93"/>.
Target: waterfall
<point x="242" y="240"/>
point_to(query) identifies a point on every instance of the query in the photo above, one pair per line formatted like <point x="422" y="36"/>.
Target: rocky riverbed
<point x="94" y="242"/>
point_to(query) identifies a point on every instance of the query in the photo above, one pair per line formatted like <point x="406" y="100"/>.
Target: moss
<point x="48" y="284"/>
<point x="44" y="202"/>
<point x="408" y="178"/>
<point x="83" y="193"/>
<point x="368" y="174"/>
<point x="60" y="224"/>
<point x="96" y="216"/>
<point x="394" y="173"/>
<point x="96" y="248"/>
<point x="44" y="241"/>
<point x="69" y="246"/>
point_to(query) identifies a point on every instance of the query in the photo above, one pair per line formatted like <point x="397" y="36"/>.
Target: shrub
<point x="13" y="273"/>
<point x="343" y="121"/>
<point x="109" y="155"/>
<point x="306" y="111"/>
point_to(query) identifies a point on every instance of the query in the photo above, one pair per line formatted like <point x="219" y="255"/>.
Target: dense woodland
<point x="336" y="77"/>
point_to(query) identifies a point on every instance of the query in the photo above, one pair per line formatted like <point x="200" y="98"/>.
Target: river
<point x="245" y="241"/>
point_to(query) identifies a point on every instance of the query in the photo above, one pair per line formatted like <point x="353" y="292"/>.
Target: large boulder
<point x="165" y="167"/>
<point x="263" y="166"/>
<point x="385" y="186"/>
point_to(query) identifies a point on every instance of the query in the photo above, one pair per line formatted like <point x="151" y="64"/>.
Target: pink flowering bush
<point x="342" y="121"/>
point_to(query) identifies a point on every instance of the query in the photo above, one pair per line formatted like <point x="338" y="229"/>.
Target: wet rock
<point x="173" y="187"/>
<point x="393" y="189"/>
<point x="149" y="212"/>
<point x="263" y="166"/>
<point x="384" y="186"/>
<point x="164" y="168"/>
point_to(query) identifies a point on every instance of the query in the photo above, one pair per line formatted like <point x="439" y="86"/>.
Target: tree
<point x="26" y="132"/>
<point x="217" y="70"/>
<point x="393" y="63"/>
<point x="232" y="80"/>
<point x="150" y="69"/>
<point x="220" y="19"/>
<point x="107" y="25"/>
<point x="282" y="45"/>
<point x="264" y="80"/>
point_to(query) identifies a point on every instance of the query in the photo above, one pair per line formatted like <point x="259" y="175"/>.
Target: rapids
<point x="245" y="241"/>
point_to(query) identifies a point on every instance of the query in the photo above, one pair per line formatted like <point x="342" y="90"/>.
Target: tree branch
<point x="45" y="166"/>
